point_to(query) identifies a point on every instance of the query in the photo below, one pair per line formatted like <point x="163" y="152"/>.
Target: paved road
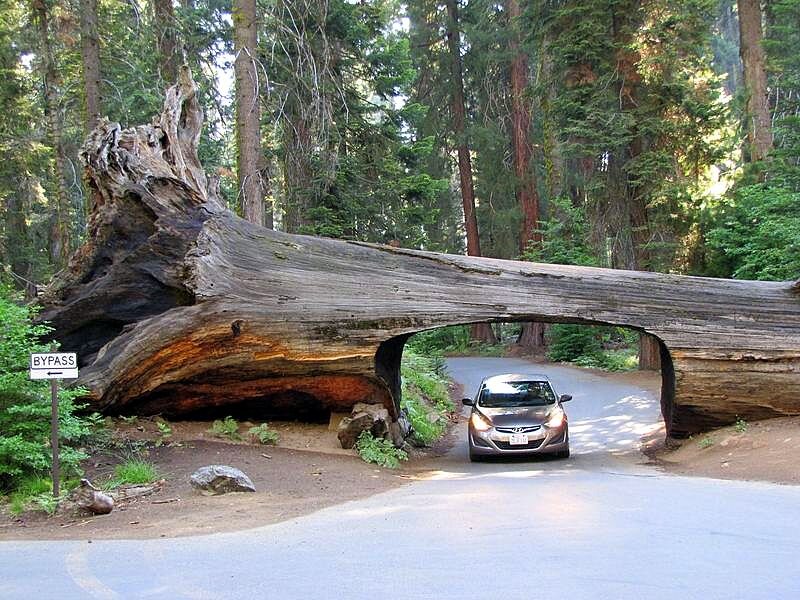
<point x="596" y="526"/>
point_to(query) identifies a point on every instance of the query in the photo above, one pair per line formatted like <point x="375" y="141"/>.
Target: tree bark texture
<point x="459" y="129"/>
<point x="250" y="160"/>
<point x="759" y="127"/>
<point x="527" y="194"/>
<point x="175" y="305"/>
<point x="60" y="223"/>
<point x="90" y="57"/>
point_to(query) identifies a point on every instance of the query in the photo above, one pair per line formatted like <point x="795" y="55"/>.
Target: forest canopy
<point x="653" y="135"/>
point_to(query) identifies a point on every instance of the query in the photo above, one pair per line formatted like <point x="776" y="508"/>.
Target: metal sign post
<point x="54" y="366"/>
<point x="54" y="437"/>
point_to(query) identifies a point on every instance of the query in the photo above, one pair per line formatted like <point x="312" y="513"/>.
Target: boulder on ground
<point x="364" y="417"/>
<point x="214" y="480"/>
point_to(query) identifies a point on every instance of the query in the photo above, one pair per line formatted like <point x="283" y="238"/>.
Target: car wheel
<point x="563" y="454"/>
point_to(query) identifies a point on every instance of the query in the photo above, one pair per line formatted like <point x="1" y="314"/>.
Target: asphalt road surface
<point x="595" y="526"/>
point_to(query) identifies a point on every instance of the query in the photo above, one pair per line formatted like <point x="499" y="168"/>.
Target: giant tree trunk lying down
<point x="176" y="305"/>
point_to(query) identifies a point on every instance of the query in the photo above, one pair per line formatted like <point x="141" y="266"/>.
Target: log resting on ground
<point x="175" y="305"/>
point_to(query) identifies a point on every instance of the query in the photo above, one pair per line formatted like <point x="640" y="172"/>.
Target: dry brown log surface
<point x="176" y="305"/>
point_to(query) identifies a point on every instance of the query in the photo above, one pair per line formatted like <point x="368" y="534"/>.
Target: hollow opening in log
<point x="389" y="356"/>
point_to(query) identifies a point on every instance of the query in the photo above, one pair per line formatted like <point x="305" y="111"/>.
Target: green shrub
<point x="424" y="394"/>
<point x="706" y="442"/>
<point x="570" y="342"/>
<point x="25" y="404"/>
<point x="741" y="425"/>
<point x="226" y="428"/>
<point x="132" y="472"/>
<point x="264" y="434"/>
<point x="379" y="451"/>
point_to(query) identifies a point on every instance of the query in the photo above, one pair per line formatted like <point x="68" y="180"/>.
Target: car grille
<point x="529" y="446"/>
<point x="518" y="429"/>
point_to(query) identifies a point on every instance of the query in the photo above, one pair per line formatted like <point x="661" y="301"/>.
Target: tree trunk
<point x="175" y="305"/>
<point x="459" y="129"/>
<point x="250" y="160"/>
<point x="649" y="353"/>
<point x="525" y="184"/>
<point x="90" y="55"/>
<point x="759" y="127"/>
<point x="532" y="337"/>
<point x="167" y="40"/>
<point x="61" y="220"/>
<point x="479" y="332"/>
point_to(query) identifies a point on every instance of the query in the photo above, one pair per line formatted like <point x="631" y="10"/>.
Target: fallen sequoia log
<point x="175" y="305"/>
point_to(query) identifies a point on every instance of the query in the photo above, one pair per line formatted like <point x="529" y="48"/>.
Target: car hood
<point x="522" y="416"/>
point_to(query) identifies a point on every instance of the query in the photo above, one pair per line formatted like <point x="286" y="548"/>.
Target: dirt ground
<point x="306" y="471"/>
<point x="760" y="451"/>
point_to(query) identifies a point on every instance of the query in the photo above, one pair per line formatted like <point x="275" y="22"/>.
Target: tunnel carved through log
<point x="174" y="304"/>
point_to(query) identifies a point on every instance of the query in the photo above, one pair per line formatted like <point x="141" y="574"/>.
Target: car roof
<point x="515" y="377"/>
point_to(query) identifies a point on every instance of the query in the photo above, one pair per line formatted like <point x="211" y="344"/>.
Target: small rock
<point x="725" y="465"/>
<point x="214" y="480"/>
<point x="90" y="498"/>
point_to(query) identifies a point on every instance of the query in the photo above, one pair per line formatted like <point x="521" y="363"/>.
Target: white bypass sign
<point x="54" y="365"/>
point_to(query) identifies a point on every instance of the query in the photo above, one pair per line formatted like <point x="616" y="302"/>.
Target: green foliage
<point x="569" y="342"/>
<point x="32" y="492"/>
<point x="25" y="404"/>
<point x="565" y="237"/>
<point x="225" y="428"/>
<point x="425" y="397"/>
<point x="756" y="234"/>
<point x="608" y="348"/>
<point x="379" y="451"/>
<point x="454" y="340"/>
<point x="264" y="434"/>
<point x="164" y="432"/>
<point x="740" y="425"/>
<point x="706" y="442"/>
<point x="133" y="471"/>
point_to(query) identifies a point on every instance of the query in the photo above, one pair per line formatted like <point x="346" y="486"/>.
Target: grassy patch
<point x="134" y="471"/>
<point x="379" y="451"/>
<point x="264" y="434"/>
<point x="36" y="493"/>
<point x="226" y="428"/>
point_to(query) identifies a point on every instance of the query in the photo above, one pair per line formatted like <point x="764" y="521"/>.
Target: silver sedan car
<point x="517" y="414"/>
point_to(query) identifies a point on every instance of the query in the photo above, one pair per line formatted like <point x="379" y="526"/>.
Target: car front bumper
<point x="494" y="443"/>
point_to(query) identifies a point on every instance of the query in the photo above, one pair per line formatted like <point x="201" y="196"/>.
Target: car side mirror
<point x="468" y="402"/>
<point x="565" y="398"/>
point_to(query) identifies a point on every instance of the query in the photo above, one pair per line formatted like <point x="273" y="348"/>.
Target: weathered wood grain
<point x="176" y="305"/>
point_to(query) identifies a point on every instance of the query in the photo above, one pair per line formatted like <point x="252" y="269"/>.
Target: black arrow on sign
<point x="54" y="372"/>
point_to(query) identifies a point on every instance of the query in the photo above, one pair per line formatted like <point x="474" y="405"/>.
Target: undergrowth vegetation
<point x="133" y="471"/>
<point x="379" y="451"/>
<point x="609" y="348"/>
<point x="226" y="428"/>
<point x="25" y="455"/>
<point x="425" y="397"/>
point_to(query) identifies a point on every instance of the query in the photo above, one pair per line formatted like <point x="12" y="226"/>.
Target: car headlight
<point x="479" y="422"/>
<point x="556" y="419"/>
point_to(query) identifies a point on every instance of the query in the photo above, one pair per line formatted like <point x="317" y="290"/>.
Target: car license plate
<point x="518" y="439"/>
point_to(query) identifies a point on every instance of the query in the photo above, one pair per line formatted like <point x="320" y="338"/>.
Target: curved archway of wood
<point x="175" y="304"/>
<point x="389" y="355"/>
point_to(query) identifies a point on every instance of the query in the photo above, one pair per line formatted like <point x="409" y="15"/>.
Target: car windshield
<point x="509" y="394"/>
